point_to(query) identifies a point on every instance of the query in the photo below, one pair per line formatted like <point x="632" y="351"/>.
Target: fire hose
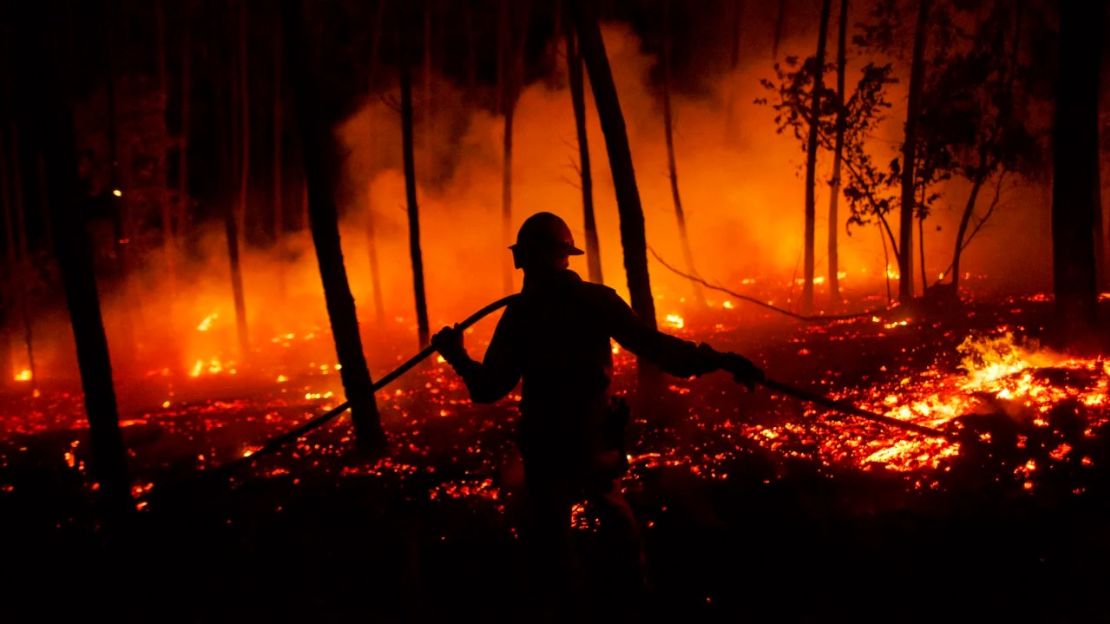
<point x="775" y="386"/>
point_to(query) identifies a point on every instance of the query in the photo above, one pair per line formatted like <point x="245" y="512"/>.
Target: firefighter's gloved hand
<point x="742" y="369"/>
<point x="449" y="343"/>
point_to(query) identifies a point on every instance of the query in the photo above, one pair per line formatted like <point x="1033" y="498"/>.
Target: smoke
<point x="741" y="186"/>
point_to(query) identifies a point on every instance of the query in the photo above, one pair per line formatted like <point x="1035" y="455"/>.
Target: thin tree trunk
<point x="1075" y="159"/>
<point x="183" y="144"/>
<point x="234" y="216"/>
<point x="426" y="95"/>
<point x="12" y="286"/>
<point x="322" y="164"/>
<point x="909" y="147"/>
<point x="965" y="221"/>
<point x="921" y="252"/>
<point x="737" y="22"/>
<point x="578" y="102"/>
<point x="169" y="241"/>
<point x="23" y="263"/>
<point x="371" y="236"/>
<point x="886" y="266"/>
<point x="244" y="117"/>
<point x="838" y="149"/>
<point x="672" y="167"/>
<point x="513" y="47"/>
<point x="629" y="208"/>
<point x="278" y="189"/>
<point x="422" y="325"/>
<point x="811" y="159"/>
<point x="780" y="22"/>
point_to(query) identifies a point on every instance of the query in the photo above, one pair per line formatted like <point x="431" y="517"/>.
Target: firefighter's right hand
<point x="743" y="370"/>
<point x="449" y="343"/>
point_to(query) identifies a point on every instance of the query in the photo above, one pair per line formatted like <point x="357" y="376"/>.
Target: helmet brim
<point x="569" y="250"/>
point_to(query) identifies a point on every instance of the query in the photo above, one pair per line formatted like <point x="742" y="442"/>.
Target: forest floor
<point x="753" y="505"/>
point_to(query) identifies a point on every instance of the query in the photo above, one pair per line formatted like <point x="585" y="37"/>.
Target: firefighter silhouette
<point x="555" y="338"/>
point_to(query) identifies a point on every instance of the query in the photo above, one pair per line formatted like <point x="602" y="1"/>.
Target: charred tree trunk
<point x="1075" y="159"/>
<point x="234" y="215"/>
<point x="169" y="239"/>
<point x="278" y="188"/>
<point x="578" y="101"/>
<point x="780" y="22"/>
<point x="811" y="158"/>
<point x="511" y="45"/>
<point x="965" y="221"/>
<point x="737" y="22"/>
<point x="12" y="285"/>
<point x="417" y="256"/>
<point x="909" y="147"/>
<point x="633" y="237"/>
<point x="371" y="234"/>
<point x="838" y="149"/>
<point x="183" y="142"/>
<point x="321" y="163"/>
<point x="73" y="253"/>
<point x="19" y="254"/>
<point x="672" y="167"/>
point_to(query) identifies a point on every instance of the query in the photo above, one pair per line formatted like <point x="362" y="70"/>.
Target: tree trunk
<point x="233" y="217"/>
<point x="169" y="239"/>
<point x="75" y="263"/>
<point x="965" y="221"/>
<point x="322" y="163"/>
<point x="737" y="22"/>
<point x="371" y="235"/>
<point x="278" y="189"/>
<point x="12" y="283"/>
<point x="780" y="22"/>
<point x="672" y="168"/>
<point x="512" y="44"/>
<point x="838" y="149"/>
<point x="909" y="147"/>
<point x="183" y="143"/>
<point x="578" y="102"/>
<point x="811" y="159"/>
<point x="1075" y="159"/>
<point x="633" y="237"/>
<point x="921" y="252"/>
<point x="422" y="325"/>
<point x="244" y="118"/>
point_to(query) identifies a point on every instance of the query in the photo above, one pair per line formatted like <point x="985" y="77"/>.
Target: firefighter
<point x="556" y="339"/>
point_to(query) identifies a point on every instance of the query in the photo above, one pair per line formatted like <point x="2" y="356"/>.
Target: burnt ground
<point x="734" y="529"/>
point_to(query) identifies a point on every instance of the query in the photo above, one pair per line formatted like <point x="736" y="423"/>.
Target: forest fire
<point x="504" y="310"/>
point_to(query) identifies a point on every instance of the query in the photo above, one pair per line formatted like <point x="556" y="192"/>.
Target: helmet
<point x="545" y="233"/>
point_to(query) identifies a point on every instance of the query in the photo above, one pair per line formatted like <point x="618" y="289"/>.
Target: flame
<point x="24" y="375"/>
<point x="674" y="320"/>
<point x="206" y="323"/>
